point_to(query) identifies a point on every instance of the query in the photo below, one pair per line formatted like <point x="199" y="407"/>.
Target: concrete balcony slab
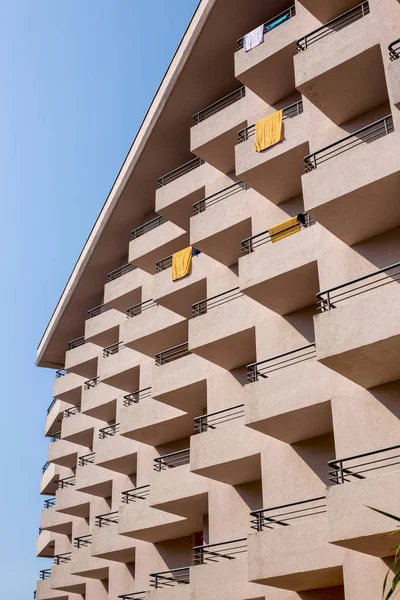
<point x="65" y="453"/>
<point x="79" y="429"/>
<point x="103" y="328"/>
<point x="86" y="565"/>
<point x="100" y="402"/>
<point x="180" y="492"/>
<point x="117" y="453"/>
<point x="326" y="11"/>
<point x="69" y="501"/>
<point x="108" y="544"/>
<point x="68" y="388"/>
<point x="63" y="580"/>
<point x="56" y="522"/>
<point x="44" y="591"/>
<point x="82" y="360"/>
<point x="45" y="544"/>
<point x="49" y="479"/>
<point x="126" y="291"/>
<point x="121" y="369"/>
<point x="94" y="480"/>
<point x="155" y="244"/>
<point x="54" y="417"/>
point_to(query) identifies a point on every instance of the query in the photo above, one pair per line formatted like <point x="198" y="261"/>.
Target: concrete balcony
<point x="81" y="358"/>
<point x="354" y="189"/>
<point x="371" y="479"/>
<point x="45" y="544"/>
<point x="68" y="387"/>
<point x="56" y="522"/>
<point x="276" y="172"/>
<point x="213" y="135"/>
<point x="62" y="579"/>
<point x="178" y="191"/>
<point x="65" y="453"/>
<point x="119" y="367"/>
<point x="116" y="453"/>
<point x="153" y="241"/>
<point x="54" y="416"/>
<point x="49" y="479"/>
<point x="283" y="276"/>
<point x="70" y="501"/>
<point x="223" y="329"/>
<point x="126" y="290"/>
<point x="221" y="222"/>
<point x="86" y="565"/>
<point x="393" y="73"/>
<point x="339" y="66"/>
<point x="268" y="69"/>
<point x="45" y="591"/>
<point x="324" y="12"/>
<point x="151" y="327"/>
<point x="102" y="325"/>
<point x="290" y="409"/>
<point x="99" y="400"/>
<point x="78" y="428"/>
<point x="108" y="544"/>
<point x="360" y="339"/>
<point x="92" y="479"/>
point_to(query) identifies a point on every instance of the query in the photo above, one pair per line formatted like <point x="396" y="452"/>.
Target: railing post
<point x="341" y="472"/>
<point x="259" y="522"/>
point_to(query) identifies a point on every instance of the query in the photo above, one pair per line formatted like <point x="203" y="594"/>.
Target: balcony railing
<point x="50" y="503"/>
<point x="135" y="397"/>
<point x="153" y="224"/>
<point x="272" y="23"/>
<point x="44" y="574"/>
<point x="167" y="356"/>
<point x="264" y="368"/>
<point x="61" y="373"/>
<point x="109" y="431"/>
<point x="107" y="519"/>
<point x="219" y="105"/>
<point x="134" y="596"/>
<point x="87" y="459"/>
<point x="62" y="559"/>
<point x="117" y="273"/>
<point x="55" y="436"/>
<point x="80" y="341"/>
<point x="214" y="419"/>
<point x="91" y="383"/>
<point x="394" y="50"/>
<point x="52" y="403"/>
<point x="74" y="410"/>
<point x="170" y="578"/>
<point x="138" y="493"/>
<point x="215" y="552"/>
<point x="282" y="516"/>
<point x="202" y="205"/>
<point x="66" y="482"/>
<point x="137" y="309"/>
<point x="172" y="460"/>
<point x="347" y="18"/>
<point x="166" y="263"/>
<point x="182" y="170"/>
<point x="202" y="307"/>
<point x="251" y="243"/>
<point x="45" y="467"/>
<point x="367" y="134"/>
<point x="113" y="349"/>
<point x="82" y="541"/>
<point x="291" y="111"/>
<point x="329" y="299"/>
<point x="98" y="310"/>
<point x="351" y="468"/>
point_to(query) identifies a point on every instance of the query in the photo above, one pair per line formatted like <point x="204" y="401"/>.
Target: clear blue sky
<point x="77" y="77"/>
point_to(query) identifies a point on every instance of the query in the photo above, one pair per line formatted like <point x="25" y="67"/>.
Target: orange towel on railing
<point x="269" y="131"/>
<point x="284" y="229"/>
<point x="181" y="263"/>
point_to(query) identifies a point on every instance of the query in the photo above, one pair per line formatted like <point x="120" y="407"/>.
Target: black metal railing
<point x="282" y="516"/>
<point x="86" y="459"/>
<point x="138" y="493"/>
<point x="172" y="460"/>
<point x="336" y="24"/>
<point x="167" y="356"/>
<point x="291" y="111"/>
<point x="98" y="310"/>
<point x="91" y="383"/>
<point x="117" y="273"/>
<point x="137" y="309"/>
<point x="264" y="368"/>
<point x="62" y="559"/>
<point x="52" y="403"/>
<point x="215" y="107"/>
<point x="44" y="574"/>
<point x="34" y="594"/>
<point x="329" y="299"/>
<point x="351" y="468"/>
<point x="50" y="503"/>
<point x="166" y="263"/>
<point x="109" y="431"/>
<point x="235" y="188"/>
<point x="55" y="436"/>
<point x="304" y="220"/>
<point x="113" y="349"/>
<point x="272" y="23"/>
<point x="182" y="170"/>
<point x="80" y="341"/>
<point x="153" y="224"/>
<point x="170" y="578"/>
<point x="74" y="410"/>
<point x="66" y="482"/>
<point x="135" y="397"/>
<point x="45" y="467"/>
<point x="367" y="134"/>
<point x="134" y="596"/>
<point x="202" y="307"/>
<point x="394" y="50"/>
<point x="107" y="519"/>
<point x="61" y="373"/>
<point x="82" y="541"/>
<point x="214" y="419"/>
<point x="211" y="553"/>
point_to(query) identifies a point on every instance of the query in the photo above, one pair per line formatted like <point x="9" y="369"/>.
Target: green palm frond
<point x="389" y="593"/>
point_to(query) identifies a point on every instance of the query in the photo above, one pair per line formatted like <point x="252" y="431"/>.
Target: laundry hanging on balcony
<point x="269" y="131"/>
<point x="278" y="22"/>
<point x="253" y="38"/>
<point x="284" y="229"/>
<point x="181" y="263"/>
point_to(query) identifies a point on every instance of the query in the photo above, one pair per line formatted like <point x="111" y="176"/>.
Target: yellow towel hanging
<point x="284" y="229"/>
<point x="269" y="131"/>
<point x="181" y="263"/>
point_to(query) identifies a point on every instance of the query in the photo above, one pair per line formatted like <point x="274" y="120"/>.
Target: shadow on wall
<point x="316" y="453"/>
